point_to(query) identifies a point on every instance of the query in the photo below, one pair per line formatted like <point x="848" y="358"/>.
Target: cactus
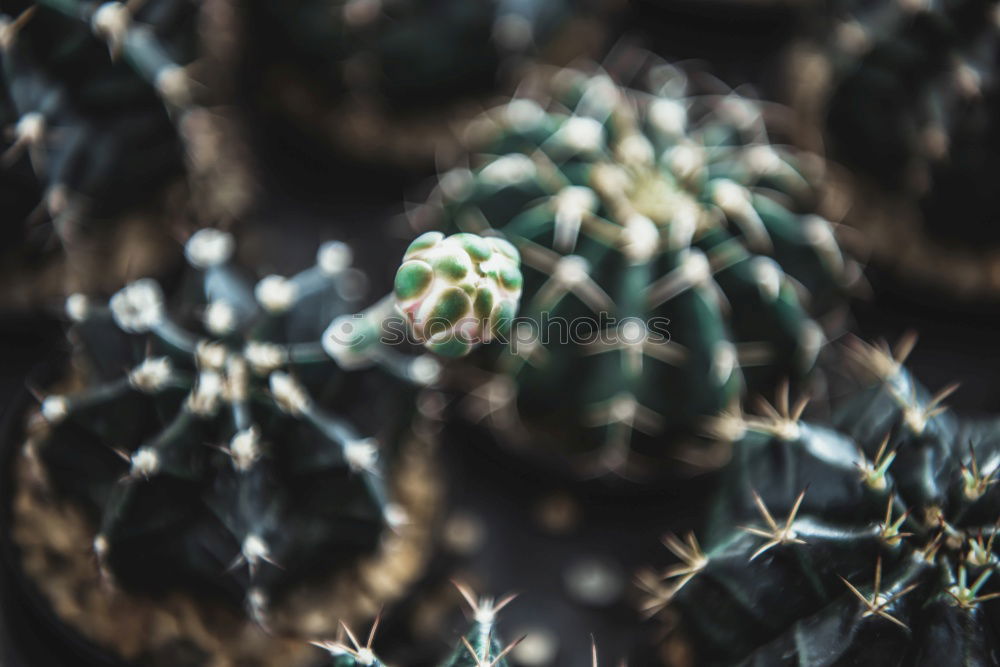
<point x="480" y="647"/>
<point x="98" y="136"/>
<point x="367" y="73"/>
<point x="909" y="105"/>
<point x="865" y="541"/>
<point x="665" y="221"/>
<point x="216" y="428"/>
<point x="459" y="291"/>
<point x="912" y="79"/>
<point x="108" y="110"/>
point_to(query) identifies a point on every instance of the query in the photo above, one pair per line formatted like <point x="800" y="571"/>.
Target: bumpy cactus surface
<point x="866" y="541"/>
<point x="914" y="105"/>
<point x="223" y="442"/>
<point x="480" y="647"/>
<point x="670" y="255"/>
<point x="458" y="291"/>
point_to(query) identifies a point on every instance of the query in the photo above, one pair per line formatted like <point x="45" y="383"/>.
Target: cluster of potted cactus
<point x="233" y="463"/>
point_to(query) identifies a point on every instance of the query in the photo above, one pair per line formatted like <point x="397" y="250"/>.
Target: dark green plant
<point x="662" y="221"/>
<point x="865" y="541"/>
<point x="398" y="49"/>
<point x="109" y="112"/>
<point x="480" y="647"/>
<point x="219" y="440"/>
<point x="914" y="102"/>
<point x="385" y="79"/>
<point x="92" y="120"/>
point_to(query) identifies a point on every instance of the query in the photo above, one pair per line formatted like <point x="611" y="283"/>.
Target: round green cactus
<point x="671" y="257"/>
<point x="865" y="541"/>
<point x="458" y="291"/>
<point x="217" y="428"/>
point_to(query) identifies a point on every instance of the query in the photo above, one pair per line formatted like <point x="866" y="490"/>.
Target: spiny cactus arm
<point x="775" y="576"/>
<point x="766" y="596"/>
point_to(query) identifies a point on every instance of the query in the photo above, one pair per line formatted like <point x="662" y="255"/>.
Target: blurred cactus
<point x="671" y="256"/>
<point x="98" y="137"/>
<point x="215" y="432"/>
<point x="382" y="78"/>
<point x="906" y="96"/>
<point x="108" y="111"/>
<point x="865" y="541"/>
<point x="913" y="78"/>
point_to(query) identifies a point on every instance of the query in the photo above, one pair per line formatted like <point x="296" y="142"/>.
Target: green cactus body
<point x="109" y="114"/>
<point x="480" y="647"/>
<point x="866" y="541"/>
<point x="911" y="108"/>
<point x="216" y="429"/>
<point x="668" y="212"/>
<point x="928" y="70"/>
<point x="94" y="123"/>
